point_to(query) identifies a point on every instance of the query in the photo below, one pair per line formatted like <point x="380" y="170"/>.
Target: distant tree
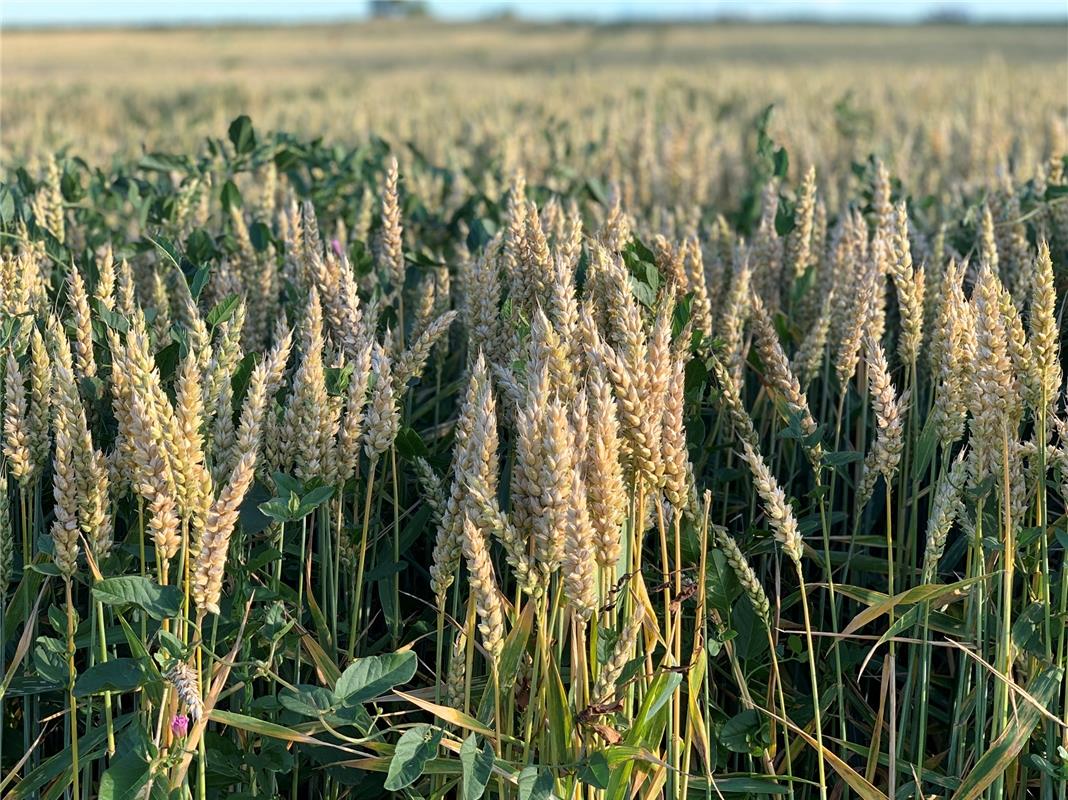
<point x="399" y="9"/>
<point x="948" y="15"/>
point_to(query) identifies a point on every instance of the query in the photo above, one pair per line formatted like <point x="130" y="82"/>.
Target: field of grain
<point x="534" y="411"/>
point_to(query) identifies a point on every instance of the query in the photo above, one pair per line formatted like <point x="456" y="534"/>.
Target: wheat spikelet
<point x="78" y="299"/>
<point x="305" y="431"/>
<point x="1026" y="368"/>
<point x="799" y="241"/>
<point x="743" y="424"/>
<point x="604" y="471"/>
<point x="17" y="443"/>
<point x="484" y="590"/>
<point x="579" y="568"/>
<point x="992" y="398"/>
<point x="104" y="291"/>
<point x="347" y="452"/>
<point x="885" y="454"/>
<point x="910" y="284"/>
<point x="392" y="232"/>
<point x="848" y="354"/>
<point x="806" y="361"/>
<point x="747" y="578"/>
<point x="1045" y="331"/>
<point x="383" y="415"/>
<point x="945" y="508"/>
<point x="413" y="360"/>
<point x="186" y="683"/>
<point x="457" y="672"/>
<point x="951" y="354"/>
<point x="210" y="565"/>
<point x="777" y="510"/>
<point x="65" y="494"/>
<point x="780" y="378"/>
<point x="604" y="689"/>
<point x="40" y="406"/>
<point x="481" y="301"/>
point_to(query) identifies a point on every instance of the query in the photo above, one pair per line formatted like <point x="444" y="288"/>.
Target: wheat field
<point x="534" y="411"/>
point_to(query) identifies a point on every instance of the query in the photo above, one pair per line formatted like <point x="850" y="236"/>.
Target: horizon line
<point x="193" y="23"/>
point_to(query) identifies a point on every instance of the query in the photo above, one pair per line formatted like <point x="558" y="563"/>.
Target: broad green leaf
<point x="230" y="196"/>
<point x="477" y="766"/>
<point x="242" y="135"/>
<point x="116" y="675"/>
<point x="129" y="774"/>
<point x="223" y="310"/>
<point x="416" y="746"/>
<point x="535" y="783"/>
<point x="746" y="732"/>
<point x="315" y="498"/>
<point x="159" y="602"/>
<point x="594" y="771"/>
<point x="367" y="678"/>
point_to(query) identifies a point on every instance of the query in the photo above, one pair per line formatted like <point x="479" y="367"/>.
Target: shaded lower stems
<point x="70" y="690"/>
<point x="813" y="678"/>
<point x="358" y="592"/>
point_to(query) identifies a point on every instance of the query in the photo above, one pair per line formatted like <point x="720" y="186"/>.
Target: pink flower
<point x="336" y="246"/>
<point x="180" y="725"/>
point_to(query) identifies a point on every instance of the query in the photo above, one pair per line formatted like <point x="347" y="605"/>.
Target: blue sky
<point x="106" y="12"/>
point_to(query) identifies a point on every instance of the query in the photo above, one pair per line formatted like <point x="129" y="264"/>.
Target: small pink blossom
<point x="336" y="247"/>
<point x="180" y="725"/>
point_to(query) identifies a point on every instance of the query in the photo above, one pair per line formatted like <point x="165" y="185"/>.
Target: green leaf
<point x="477" y="766"/>
<point x="223" y="311"/>
<point x="199" y="280"/>
<point x="315" y="498"/>
<point x="116" y="675"/>
<point x="159" y="602"/>
<point x="367" y="678"/>
<point x="781" y="162"/>
<point x="241" y="134"/>
<point x="416" y="746"/>
<point x="535" y="784"/>
<point x="164" y="162"/>
<point x="129" y="774"/>
<point x="721" y="583"/>
<point x="746" y="732"/>
<point x="260" y="236"/>
<point x="752" y="639"/>
<point x="410" y="445"/>
<point x="112" y="319"/>
<point x="595" y="771"/>
<point x="1027" y="630"/>
<point x="287" y="484"/>
<point x="230" y="196"/>
<point x="841" y="458"/>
